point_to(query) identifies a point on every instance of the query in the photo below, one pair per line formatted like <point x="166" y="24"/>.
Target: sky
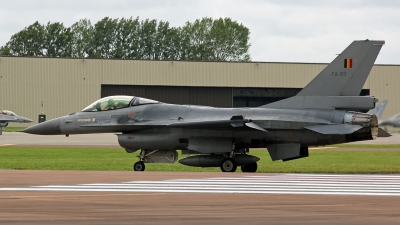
<point x="311" y="31"/>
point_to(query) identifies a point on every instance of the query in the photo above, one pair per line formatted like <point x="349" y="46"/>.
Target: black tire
<point x="139" y="166"/>
<point x="228" y="165"/>
<point x="249" y="168"/>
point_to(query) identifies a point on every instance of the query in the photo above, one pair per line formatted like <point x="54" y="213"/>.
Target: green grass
<point x="103" y="159"/>
<point x="366" y="146"/>
<point x="13" y="129"/>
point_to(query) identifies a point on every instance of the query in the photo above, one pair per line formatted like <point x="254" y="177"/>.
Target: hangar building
<point x="33" y="86"/>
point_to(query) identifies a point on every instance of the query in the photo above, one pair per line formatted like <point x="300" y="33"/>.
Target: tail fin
<point x="343" y="78"/>
<point x="347" y="73"/>
<point x="378" y="110"/>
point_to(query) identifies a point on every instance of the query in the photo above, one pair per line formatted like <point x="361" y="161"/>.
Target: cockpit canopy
<point x="7" y="112"/>
<point x="117" y="102"/>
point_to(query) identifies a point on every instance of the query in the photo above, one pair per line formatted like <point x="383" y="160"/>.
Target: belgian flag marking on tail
<point x="348" y="63"/>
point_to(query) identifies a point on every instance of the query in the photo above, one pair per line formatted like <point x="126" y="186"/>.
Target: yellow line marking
<point x="322" y="148"/>
<point x="6" y="145"/>
<point x="60" y="195"/>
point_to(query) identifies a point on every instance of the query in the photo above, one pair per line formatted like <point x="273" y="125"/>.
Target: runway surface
<point x="63" y="197"/>
<point x="310" y="184"/>
<point x="100" y="197"/>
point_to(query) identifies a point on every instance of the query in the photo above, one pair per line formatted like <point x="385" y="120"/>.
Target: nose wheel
<point x="139" y="166"/>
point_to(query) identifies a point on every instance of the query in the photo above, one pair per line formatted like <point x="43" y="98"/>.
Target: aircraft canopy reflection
<point x="117" y="102"/>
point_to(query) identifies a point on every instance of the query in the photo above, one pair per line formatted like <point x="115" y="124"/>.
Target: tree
<point x="229" y="41"/>
<point x="215" y="40"/>
<point x="205" y="39"/>
<point x="128" y="40"/>
<point x="82" y="35"/>
<point x="57" y="40"/>
<point x="104" y="41"/>
<point x="28" y="42"/>
<point x="166" y="42"/>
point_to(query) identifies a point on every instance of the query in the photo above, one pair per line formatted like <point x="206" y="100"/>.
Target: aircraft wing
<point x="235" y="122"/>
<point x="219" y="123"/>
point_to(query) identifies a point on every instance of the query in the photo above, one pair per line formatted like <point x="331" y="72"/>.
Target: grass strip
<point x="12" y="129"/>
<point x="116" y="159"/>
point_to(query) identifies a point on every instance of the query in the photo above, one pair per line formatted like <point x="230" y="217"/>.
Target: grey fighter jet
<point x="393" y="121"/>
<point x="6" y="116"/>
<point x="327" y="111"/>
<point x="379" y="109"/>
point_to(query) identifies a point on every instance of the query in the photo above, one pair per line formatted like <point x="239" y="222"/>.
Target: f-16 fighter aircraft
<point x="327" y="111"/>
<point x="379" y="109"/>
<point x="393" y="121"/>
<point x="7" y="116"/>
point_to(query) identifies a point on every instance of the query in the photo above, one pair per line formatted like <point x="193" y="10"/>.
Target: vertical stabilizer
<point x="379" y="109"/>
<point x="347" y="73"/>
<point x="338" y="86"/>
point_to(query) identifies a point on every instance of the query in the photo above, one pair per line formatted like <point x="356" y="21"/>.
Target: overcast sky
<point x="281" y="31"/>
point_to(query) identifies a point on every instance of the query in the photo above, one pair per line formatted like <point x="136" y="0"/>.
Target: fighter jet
<point x="393" y="121"/>
<point x="327" y="111"/>
<point x="379" y="109"/>
<point x="7" y="116"/>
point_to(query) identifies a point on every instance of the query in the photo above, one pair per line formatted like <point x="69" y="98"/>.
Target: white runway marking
<point x="6" y="145"/>
<point x="367" y="185"/>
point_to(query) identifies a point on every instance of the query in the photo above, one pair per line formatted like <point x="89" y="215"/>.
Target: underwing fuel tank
<point x="215" y="160"/>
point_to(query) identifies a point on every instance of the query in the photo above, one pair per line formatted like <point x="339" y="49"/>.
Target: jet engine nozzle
<point x="369" y="123"/>
<point x="362" y="119"/>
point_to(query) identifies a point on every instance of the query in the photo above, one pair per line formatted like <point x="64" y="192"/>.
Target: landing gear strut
<point x="238" y="157"/>
<point x="229" y="164"/>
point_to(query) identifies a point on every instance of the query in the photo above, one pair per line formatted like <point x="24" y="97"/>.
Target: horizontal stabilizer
<point x="383" y="133"/>
<point x="354" y="103"/>
<point x="335" y="128"/>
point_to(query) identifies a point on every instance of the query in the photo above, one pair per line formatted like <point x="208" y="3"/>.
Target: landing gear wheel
<point x="228" y="165"/>
<point x="139" y="166"/>
<point x="249" y="168"/>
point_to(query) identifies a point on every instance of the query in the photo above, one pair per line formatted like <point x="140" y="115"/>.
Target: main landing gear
<point x="228" y="165"/>
<point x="246" y="162"/>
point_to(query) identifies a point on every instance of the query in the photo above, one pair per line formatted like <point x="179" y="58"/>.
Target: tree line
<point x="127" y="38"/>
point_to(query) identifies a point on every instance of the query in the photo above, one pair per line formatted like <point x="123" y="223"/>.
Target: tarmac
<point x="100" y="197"/>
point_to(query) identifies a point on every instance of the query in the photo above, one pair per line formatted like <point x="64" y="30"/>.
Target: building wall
<point x="58" y="86"/>
<point x="210" y="96"/>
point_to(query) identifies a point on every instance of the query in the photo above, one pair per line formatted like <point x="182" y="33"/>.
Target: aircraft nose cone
<point x="26" y="120"/>
<point x="51" y="127"/>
